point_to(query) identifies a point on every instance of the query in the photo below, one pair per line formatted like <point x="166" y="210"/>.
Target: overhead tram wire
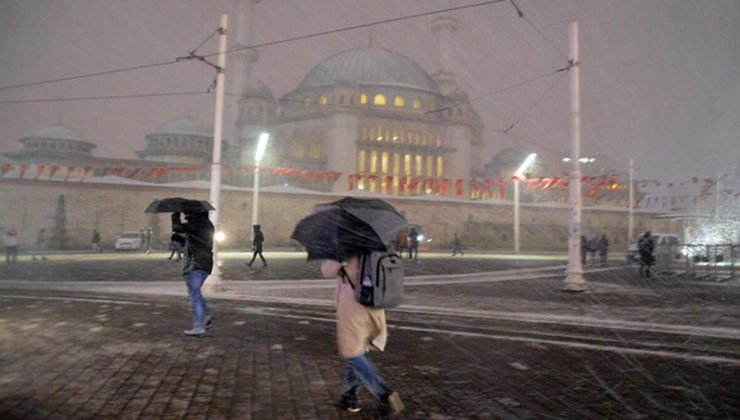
<point x="265" y="44"/>
<point x="535" y="103"/>
<point x="108" y="97"/>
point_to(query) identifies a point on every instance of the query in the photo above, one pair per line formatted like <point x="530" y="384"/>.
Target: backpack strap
<point x="345" y="277"/>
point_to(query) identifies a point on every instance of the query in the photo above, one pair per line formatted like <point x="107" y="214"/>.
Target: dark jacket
<point x="257" y="241"/>
<point x="198" y="236"/>
<point x="646" y="246"/>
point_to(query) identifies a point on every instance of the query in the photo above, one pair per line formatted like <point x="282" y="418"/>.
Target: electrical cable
<point x="265" y="44"/>
<point x="535" y="104"/>
<point x="98" y="98"/>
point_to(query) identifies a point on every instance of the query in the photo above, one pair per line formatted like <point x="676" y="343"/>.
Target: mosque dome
<point x="260" y="90"/>
<point x="58" y="132"/>
<point x="187" y="126"/>
<point x="369" y="67"/>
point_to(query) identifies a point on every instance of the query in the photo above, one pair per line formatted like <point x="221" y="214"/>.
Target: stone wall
<point x="113" y="209"/>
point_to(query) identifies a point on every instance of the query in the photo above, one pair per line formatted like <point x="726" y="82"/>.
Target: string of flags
<point x="598" y="188"/>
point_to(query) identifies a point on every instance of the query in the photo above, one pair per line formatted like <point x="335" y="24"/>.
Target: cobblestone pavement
<point x="494" y="346"/>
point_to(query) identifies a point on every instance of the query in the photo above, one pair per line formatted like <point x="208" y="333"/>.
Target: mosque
<point x="365" y="118"/>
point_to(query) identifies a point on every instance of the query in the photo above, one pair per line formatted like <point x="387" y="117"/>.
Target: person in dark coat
<point x="196" y="236"/>
<point x="584" y="249"/>
<point x="645" y="247"/>
<point x="413" y="244"/>
<point x="95" y="241"/>
<point x="39" y="249"/>
<point x="257" y="246"/>
<point x="603" y="247"/>
<point x="457" y="246"/>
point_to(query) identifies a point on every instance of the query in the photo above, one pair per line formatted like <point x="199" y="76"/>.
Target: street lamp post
<point x="258" y="155"/>
<point x="574" y="281"/>
<point x="214" y="280"/>
<point x="517" y="178"/>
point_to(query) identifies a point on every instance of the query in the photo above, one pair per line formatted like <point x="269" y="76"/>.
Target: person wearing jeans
<point x="196" y="236"/>
<point x="359" y="329"/>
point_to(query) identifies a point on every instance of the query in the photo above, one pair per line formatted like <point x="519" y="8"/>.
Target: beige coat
<point x="358" y="327"/>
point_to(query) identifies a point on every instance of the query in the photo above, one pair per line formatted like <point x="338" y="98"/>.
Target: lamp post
<point x="517" y="178"/>
<point x="213" y="282"/>
<point x="258" y="155"/>
<point x="574" y="281"/>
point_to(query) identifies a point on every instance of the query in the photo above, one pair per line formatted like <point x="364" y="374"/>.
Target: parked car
<point x="663" y="242"/>
<point x="128" y="241"/>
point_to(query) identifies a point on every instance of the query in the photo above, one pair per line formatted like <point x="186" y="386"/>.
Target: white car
<point x="128" y="241"/>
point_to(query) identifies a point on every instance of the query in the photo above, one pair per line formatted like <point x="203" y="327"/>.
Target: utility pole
<point x="574" y="281"/>
<point x="631" y="219"/>
<point x="213" y="282"/>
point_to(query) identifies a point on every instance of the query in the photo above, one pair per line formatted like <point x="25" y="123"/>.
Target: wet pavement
<point x="508" y="344"/>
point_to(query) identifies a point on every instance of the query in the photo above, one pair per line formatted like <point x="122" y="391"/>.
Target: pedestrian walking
<point x="413" y="244"/>
<point x="359" y="329"/>
<point x="457" y="246"/>
<point x="197" y="234"/>
<point x="176" y="247"/>
<point x="10" y="240"/>
<point x="40" y="246"/>
<point x="603" y="247"/>
<point x="584" y="249"/>
<point x="646" y="247"/>
<point x="257" y="240"/>
<point x="95" y="241"/>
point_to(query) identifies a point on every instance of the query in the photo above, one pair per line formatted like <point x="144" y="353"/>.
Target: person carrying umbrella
<point x="337" y="233"/>
<point x="197" y="234"/>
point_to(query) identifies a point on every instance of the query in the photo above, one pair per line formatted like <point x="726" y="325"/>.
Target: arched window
<point x="417" y="103"/>
<point x="399" y="101"/>
<point x="363" y="99"/>
<point x="323" y="100"/>
<point x="379" y="99"/>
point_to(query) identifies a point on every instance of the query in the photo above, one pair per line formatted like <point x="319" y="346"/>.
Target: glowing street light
<point x="518" y="175"/>
<point x="258" y="155"/>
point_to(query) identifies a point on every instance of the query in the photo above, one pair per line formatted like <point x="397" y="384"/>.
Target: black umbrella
<point x="184" y="205"/>
<point x="348" y="227"/>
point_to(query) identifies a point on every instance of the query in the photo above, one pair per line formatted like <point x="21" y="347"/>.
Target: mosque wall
<point x="30" y="205"/>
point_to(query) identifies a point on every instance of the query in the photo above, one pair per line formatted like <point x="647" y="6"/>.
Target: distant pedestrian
<point x="359" y="329"/>
<point x="457" y="246"/>
<point x="40" y="246"/>
<point x="10" y="240"/>
<point x="603" y="247"/>
<point x="646" y="247"/>
<point x="197" y="237"/>
<point x="257" y="240"/>
<point x="413" y="244"/>
<point x="95" y="241"/>
<point x="584" y="249"/>
<point x="176" y="247"/>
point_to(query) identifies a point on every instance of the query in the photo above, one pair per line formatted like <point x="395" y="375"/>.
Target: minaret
<point x="246" y="56"/>
<point x="443" y="28"/>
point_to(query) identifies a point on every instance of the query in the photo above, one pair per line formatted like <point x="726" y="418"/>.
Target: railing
<point x="702" y="261"/>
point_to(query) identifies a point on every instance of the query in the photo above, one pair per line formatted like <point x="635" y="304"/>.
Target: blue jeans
<point x="360" y="370"/>
<point x="195" y="280"/>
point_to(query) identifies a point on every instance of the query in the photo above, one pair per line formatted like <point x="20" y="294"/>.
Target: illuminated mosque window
<point x="323" y="100"/>
<point x="399" y="101"/>
<point x="440" y="166"/>
<point x="417" y="103"/>
<point x="379" y="99"/>
<point x="363" y="99"/>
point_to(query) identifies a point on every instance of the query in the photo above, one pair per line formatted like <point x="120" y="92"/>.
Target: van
<point x="128" y="241"/>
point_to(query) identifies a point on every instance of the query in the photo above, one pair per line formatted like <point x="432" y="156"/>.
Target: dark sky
<point x="660" y="79"/>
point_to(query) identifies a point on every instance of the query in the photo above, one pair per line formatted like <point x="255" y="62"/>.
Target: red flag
<point x="459" y="187"/>
<point x="160" y="172"/>
<point x="39" y="171"/>
<point x="133" y="173"/>
<point x="6" y="168"/>
<point x="24" y="168"/>
<point x="52" y="170"/>
<point x="149" y="172"/>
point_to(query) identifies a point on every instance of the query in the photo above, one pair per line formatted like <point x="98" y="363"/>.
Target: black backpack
<point x="381" y="280"/>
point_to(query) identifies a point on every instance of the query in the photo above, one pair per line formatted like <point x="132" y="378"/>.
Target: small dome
<point x="186" y="126"/>
<point x="58" y="132"/>
<point x="369" y="66"/>
<point x="260" y="90"/>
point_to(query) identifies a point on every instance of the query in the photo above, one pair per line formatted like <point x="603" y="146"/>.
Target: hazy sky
<point x="660" y="79"/>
